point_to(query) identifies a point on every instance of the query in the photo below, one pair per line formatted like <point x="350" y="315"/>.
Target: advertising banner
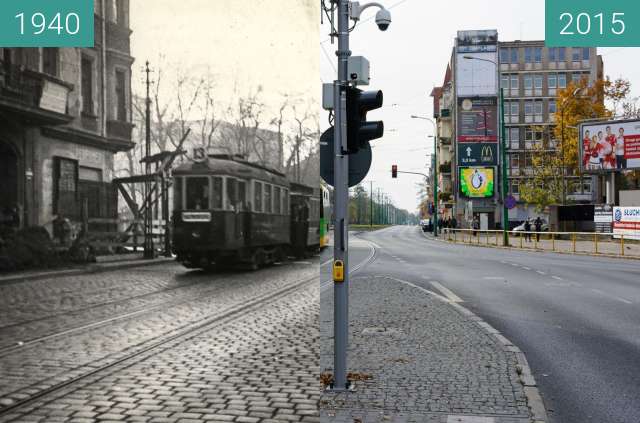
<point x="477" y="154"/>
<point x="477" y="120"/>
<point x="626" y="221"/>
<point x="476" y="77"/>
<point x="477" y="182"/>
<point x="603" y="217"/>
<point x="610" y="146"/>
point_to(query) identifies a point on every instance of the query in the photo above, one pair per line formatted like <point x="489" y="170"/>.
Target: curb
<point x="526" y="250"/>
<point x="92" y="268"/>
<point x="538" y="413"/>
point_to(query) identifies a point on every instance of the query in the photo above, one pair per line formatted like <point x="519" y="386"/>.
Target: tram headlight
<point x="195" y="234"/>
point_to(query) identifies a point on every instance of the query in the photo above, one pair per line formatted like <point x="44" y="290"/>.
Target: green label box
<point x="592" y="23"/>
<point x="46" y="23"/>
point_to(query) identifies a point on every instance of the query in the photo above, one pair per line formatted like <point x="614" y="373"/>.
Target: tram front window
<point x="197" y="193"/>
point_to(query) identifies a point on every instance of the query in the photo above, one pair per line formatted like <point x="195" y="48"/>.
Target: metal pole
<point x="435" y="180"/>
<point x="503" y="147"/>
<point x="341" y="169"/>
<point x="148" y="241"/>
<point x="371" y="204"/>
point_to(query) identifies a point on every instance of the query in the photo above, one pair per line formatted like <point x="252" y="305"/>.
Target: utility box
<point x="327" y="96"/>
<point x="358" y="70"/>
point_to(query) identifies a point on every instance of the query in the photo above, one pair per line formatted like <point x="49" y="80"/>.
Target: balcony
<point x="119" y="130"/>
<point x="33" y="97"/>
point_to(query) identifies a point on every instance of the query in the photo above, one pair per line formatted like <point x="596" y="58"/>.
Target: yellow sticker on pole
<point x="338" y="271"/>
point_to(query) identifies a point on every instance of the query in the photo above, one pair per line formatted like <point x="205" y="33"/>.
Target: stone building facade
<point x="64" y="113"/>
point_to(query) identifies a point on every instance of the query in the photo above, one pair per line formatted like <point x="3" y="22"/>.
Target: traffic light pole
<point x="503" y="148"/>
<point x="341" y="174"/>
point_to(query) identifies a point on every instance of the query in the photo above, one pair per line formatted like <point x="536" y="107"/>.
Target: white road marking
<point x="493" y="278"/>
<point x="515" y="264"/>
<point x="540" y="272"/>
<point x="447" y="293"/>
<point x="526" y="268"/>
<point x="558" y="278"/>
<point x="604" y="294"/>
<point x="326" y="262"/>
<point x="302" y="262"/>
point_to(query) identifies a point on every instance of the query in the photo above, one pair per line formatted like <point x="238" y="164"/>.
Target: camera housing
<point x="383" y="19"/>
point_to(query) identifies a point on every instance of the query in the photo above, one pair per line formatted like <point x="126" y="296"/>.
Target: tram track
<point x="151" y="347"/>
<point x="27" y="343"/>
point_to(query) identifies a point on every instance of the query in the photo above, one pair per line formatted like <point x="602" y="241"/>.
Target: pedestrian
<point x="538" y="225"/>
<point x="454" y="223"/>
<point x="527" y="230"/>
<point x="476" y="225"/>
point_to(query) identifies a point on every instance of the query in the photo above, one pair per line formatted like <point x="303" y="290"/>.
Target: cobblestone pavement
<point x="427" y="361"/>
<point x="189" y="296"/>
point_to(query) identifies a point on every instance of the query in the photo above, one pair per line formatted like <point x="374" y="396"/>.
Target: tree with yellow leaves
<point x="553" y="166"/>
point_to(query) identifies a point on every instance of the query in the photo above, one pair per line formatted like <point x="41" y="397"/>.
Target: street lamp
<point x="435" y="172"/>
<point x="503" y="149"/>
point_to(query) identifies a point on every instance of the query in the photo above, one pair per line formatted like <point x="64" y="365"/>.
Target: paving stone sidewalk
<point x="428" y="362"/>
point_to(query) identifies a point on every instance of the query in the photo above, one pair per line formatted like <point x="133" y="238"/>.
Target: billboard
<point x="477" y="182"/>
<point x="626" y="221"/>
<point x="476" y="77"/>
<point x="610" y="146"/>
<point x="477" y="120"/>
<point x="603" y="217"/>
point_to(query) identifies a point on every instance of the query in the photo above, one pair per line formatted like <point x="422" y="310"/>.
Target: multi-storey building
<point x="64" y="113"/>
<point x="531" y="76"/>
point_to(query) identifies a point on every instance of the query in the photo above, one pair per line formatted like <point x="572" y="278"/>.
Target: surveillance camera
<point x="383" y="19"/>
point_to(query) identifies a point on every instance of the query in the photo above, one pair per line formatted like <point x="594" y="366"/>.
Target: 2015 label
<point x="592" y="23"/>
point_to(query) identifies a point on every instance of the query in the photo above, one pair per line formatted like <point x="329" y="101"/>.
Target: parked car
<point x="425" y="224"/>
<point x="520" y="227"/>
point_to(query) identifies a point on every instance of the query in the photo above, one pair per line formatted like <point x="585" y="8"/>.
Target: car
<point x="520" y="227"/>
<point x="425" y="224"/>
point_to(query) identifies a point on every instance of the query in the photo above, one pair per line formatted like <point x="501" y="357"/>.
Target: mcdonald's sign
<point x="477" y="154"/>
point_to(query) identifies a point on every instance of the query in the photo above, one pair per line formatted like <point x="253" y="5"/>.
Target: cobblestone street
<point x="162" y="344"/>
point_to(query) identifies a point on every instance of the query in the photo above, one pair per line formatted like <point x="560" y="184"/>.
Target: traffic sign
<point x="477" y="154"/>
<point x="510" y="202"/>
<point x="359" y="163"/>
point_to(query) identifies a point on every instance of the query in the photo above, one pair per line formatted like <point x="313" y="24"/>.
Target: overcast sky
<point x="244" y="44"/>
<point x="410" y="58"/>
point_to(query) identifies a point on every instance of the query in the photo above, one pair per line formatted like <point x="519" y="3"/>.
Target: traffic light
<point x="359" y="131"/>
<point x="394" y="171"/>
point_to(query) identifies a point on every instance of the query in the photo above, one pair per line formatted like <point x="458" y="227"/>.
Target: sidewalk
<point x="9" y="278"/>
<point x="422" y="359"/>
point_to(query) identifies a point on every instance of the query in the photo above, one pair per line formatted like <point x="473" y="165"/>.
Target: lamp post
<point x="435" y="172"/>
<point x="503" y="157"/>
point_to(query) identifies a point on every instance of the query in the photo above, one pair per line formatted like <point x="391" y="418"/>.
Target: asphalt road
<point x="576" y="318"/>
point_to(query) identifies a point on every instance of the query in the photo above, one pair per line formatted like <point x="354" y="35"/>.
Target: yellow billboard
<point x="477" y="182"/>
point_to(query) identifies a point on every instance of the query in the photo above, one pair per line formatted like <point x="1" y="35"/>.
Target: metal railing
<point x="563" y="242"/>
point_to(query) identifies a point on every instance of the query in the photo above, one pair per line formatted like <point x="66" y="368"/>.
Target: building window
<point x="50" y="61"/>
<point x="515" y="109"/>
<point x="528" y="54"/>
<point x="515" y="187"/>
<point x="528" y="108"/>
<point x="585" y="53"/>
<point x="576" y="77"/>
<point x="528" y="85"/>
<point x="504" y="82"/>
<point x="87" y="85"/>
<point x="504" y="55"/>
<point x="538" y="110"/>
<point x="514" y="83"/>
<point x="552" y="81"/>
<point x="121" y="96"/>
<point x="552" y="54"/>
<point x="537" y="83"/>
<point x="537" y="54"/>
<point x="562" y="54"/>
<point x="514" y="55"/>
<point x="562" y="80"/>
<point x="576" y="52"/>
<point x="553" y="107"/>
<point x="120" y="12"/>
<point x="514" y="138"/>
<point x="89" y="174"/>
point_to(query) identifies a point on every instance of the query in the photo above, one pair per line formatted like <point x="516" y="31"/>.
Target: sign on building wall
<point x="610" y="146"/>
<point x="477" y="154"/>
<point x="626" y="221"/>
<point x="54" y="97"/>
<point x="477" y="182"/>
<point x="477" y="120"/>
<point x="476" y="77"/>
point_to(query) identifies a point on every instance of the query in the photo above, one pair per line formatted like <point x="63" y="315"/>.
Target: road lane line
<point x="526" y="268"/>
<point x="613" y="297"/>
<point x="540" y="272"/>
<point x="447" y="292"/>
<point x="493" y="278"/>
<point x="558" y="278"/>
